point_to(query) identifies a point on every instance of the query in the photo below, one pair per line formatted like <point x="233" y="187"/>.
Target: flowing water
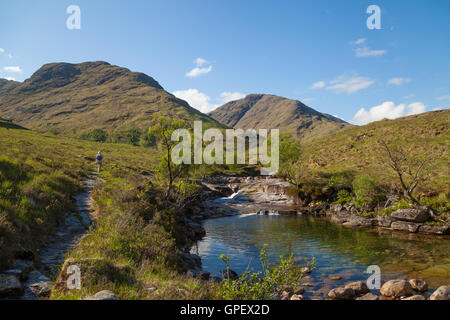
<point x="339" y="251"/>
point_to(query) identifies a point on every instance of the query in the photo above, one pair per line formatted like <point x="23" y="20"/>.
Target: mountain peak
<point x="76" y="98"/>
<point x="267" y="111"/>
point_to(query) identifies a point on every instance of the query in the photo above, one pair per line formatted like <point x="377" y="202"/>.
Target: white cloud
<point x="357" y="42"/>
<point x="409" y="96"/>
<point x="399" y="81"/>
<point x="198" y="72"/>
<point x="12" y="69"/>
<point x="318" y="85"/>
<point x="349" y="84"/>
<point x="2" y="50"/>
<point x="367" y="52"/>
<point x="387" y="110"/>
<point x="199" y="69"/>
<point x="231" y="96"/>
<point x="9" y="55"/>
<point x="196" y="99"/>
<point x="10" y="78"/>
<point x="200" y="61"/>
<point x="445" y="97"/>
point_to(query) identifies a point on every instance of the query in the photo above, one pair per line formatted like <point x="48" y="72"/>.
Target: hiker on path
<point x="99" y="160"/>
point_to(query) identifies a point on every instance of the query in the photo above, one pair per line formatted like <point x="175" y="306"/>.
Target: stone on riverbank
<point x="410" y="215"/>
<point x="440" y="230"/>
<point x="102" y="295"/>
<point x="368" y="296"/>
<point x="397" y="289"/>
<point x="405" y="226"/>
<point x="296" y="297"/>
<point x="442" y="293"/>
<point x="415" y="297"/>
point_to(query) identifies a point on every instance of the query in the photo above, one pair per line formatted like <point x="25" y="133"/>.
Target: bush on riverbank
<point x="264" y="285"/>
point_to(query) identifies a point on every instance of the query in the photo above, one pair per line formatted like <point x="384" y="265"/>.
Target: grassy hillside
<point x="359" y="149"/>
<point x="73" y="99"/>
<point x="39" y="175"/>
<point x="263" y="111"/>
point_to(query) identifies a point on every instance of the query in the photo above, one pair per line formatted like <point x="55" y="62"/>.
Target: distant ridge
<point x="271" y="112"/>
<point x="75" y="98"/>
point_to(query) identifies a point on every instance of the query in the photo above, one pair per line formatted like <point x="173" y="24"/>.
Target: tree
<point x="162" y="129"/>
<point x="290" y="166"/>
<point x="411" y="171"/>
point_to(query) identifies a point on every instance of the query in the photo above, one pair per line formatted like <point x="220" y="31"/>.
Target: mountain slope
<point x="359" y="149"/>
<point x="263" y="111"/>
<point x="76" y="98"/>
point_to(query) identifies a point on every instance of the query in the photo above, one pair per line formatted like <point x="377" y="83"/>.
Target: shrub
<point x="343" y="197"/>
<point x="98" y="135"/>
<point x="367" y="191"/>
<point x="263" y="285"/>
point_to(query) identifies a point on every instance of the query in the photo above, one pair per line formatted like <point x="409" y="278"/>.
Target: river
<point x="339" y="251"/>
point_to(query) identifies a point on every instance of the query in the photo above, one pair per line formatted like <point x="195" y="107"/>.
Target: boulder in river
<point x="397" y="289"/>
<point x="359" y="287"/>
<point x="410" y="215"/>
<point x="442" y="293"/>
<point x="418" y="285"/>
<point x="10" y="286"/>
<point x="229" y="274"/>
<point x="341" y="293"/>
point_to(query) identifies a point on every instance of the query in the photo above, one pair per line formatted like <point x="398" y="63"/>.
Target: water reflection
<point x="338" y="250"/>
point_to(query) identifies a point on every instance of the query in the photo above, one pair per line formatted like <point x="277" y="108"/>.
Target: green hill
<point x="359" y="149"/>
<point x="73" y="99"/>
<point x="264" y="111"/>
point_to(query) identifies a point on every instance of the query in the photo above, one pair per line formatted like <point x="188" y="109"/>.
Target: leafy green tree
<point x="162" y="129"/>
<point x="290" y="163"/>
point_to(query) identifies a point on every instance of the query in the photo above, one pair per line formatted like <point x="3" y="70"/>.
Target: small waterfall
<point x="234" y="195"/>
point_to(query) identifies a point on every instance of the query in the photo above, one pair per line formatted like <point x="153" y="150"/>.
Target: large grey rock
<point x="405" y="226"/>
<point x="359" y="287"/>
<point x="103" y="295"/>
<point x="41" y="289"/>
<point x="10" y="286"/>
<point x="341" y="293"/>
<point x="418" y="285"/>
<point x="442" y="293"/>
<point x="410" y="215"/>
<point x="397" y="289"/>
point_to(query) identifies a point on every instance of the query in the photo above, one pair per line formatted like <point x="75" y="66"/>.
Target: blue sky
<point x="208" y="52"/>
